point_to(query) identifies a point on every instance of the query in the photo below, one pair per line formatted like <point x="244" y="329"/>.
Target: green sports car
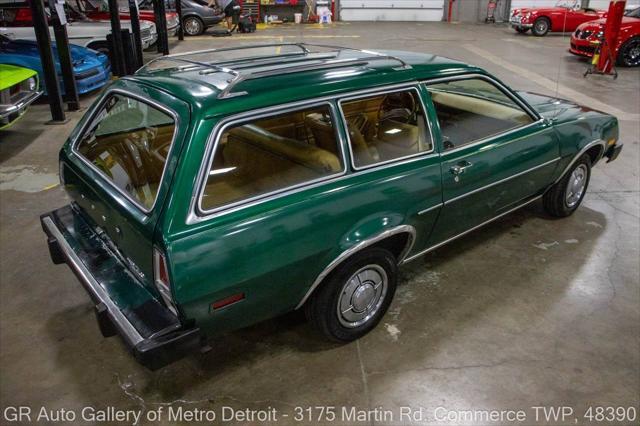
<point x="18" y="88"/>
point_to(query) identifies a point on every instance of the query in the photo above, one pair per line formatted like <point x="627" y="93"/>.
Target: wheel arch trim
<point x="401" y="229"/>
<point x="587" y="147"/>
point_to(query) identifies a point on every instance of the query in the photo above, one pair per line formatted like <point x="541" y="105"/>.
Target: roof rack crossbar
<point x="369" y="52"/>
<point x="329" y="64"/>
<point x="301" y="46"/>
<point x="200" y="64"/>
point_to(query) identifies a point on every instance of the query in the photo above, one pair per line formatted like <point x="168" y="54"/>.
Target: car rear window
<point x="129" y="141"/>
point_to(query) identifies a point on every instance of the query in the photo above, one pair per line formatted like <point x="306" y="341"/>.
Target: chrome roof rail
<point x="327" y="62"/>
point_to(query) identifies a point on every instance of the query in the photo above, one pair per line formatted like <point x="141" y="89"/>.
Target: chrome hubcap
<point x="576" y="185"/>
<point x="362" y="295"/>
<point x="541" y="26"/>
<point x="191" y="26"/>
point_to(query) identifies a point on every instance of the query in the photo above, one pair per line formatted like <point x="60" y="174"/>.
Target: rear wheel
<point x="541" y="27"/>
<point x="522" y="30"/>
<point x="192" y="25"/>
<point x="355" y="296"/>
<point x="629" y="53"/>
<point x="563" y="198"/>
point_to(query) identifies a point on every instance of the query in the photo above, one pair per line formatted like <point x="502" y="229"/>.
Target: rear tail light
<point x="161" y="279"/>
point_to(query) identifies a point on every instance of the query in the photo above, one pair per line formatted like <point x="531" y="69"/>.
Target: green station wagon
<point x="216" y="189"/>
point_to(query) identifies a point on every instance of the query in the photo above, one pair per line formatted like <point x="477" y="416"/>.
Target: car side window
<point x="272" y="153"/>
<point x="386" y="127"/>
<point x="472" y="109"/>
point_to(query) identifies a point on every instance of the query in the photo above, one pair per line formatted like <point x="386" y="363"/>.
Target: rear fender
<point x="366" y="233"/>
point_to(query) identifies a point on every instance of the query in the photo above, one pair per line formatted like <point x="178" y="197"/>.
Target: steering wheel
<point x="401" y="107"/>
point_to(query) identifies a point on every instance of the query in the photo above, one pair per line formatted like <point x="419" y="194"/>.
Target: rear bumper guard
<point x="163" y="338"/>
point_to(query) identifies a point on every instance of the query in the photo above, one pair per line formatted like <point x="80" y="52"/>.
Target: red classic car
<point x="626" y="50"/>
<point x="564" y="17"/>
<point x="99" y="10"/>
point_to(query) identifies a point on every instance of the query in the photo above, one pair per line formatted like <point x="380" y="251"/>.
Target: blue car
<point x="92" y="69"/>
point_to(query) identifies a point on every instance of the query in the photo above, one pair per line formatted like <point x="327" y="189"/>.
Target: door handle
<point x="459" y="169"/>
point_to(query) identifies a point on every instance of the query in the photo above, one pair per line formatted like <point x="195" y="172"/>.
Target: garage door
<point x="391" y="10"/>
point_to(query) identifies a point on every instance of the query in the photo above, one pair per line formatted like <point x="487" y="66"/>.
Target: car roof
<point x="265" y="80"/>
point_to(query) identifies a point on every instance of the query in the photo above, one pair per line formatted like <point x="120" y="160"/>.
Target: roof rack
<point x="320" y="62"/>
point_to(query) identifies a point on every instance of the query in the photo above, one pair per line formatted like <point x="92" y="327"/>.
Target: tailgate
<point x="118" y="167"/>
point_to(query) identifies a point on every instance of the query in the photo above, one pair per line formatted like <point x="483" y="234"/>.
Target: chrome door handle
<point x="459" y="169"/>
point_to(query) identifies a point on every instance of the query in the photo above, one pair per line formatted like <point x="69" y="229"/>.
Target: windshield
<point x="635" y="13"/>
<point x="129" y="141"/>
<point x="568" y="4"/>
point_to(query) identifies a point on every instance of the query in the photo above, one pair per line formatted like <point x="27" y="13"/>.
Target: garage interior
<point x="525" y="311"/>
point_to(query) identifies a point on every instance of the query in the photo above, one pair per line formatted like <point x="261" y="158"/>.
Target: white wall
<point x="604" y="4"/>
<point x="391" y="10"/>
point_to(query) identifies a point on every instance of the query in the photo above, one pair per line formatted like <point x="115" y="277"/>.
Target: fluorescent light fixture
<point x="392" y="131"/>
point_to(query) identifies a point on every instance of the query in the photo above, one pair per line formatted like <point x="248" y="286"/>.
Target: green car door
<point x="496" y="152"/>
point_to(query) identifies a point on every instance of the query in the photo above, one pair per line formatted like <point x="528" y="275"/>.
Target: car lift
<point x="604" y="61"/>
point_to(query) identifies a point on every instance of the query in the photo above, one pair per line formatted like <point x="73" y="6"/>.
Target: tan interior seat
<point x="323" y="132"/>
<point x="260" y="161"/>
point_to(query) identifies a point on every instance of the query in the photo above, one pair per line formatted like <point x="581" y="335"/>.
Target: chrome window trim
<point x="506" y="179"/>
<point x="194" y="216"/>
<point x="537" y="118"/>
<point x="580" y="153"/>
<point x="374" y="93"/>
<point x="98" y="107"/>
<point x="408" y="229"/>
<point x="218" y="131"/>
<point x="504" y="89"/>
<point x="486" y="222"/>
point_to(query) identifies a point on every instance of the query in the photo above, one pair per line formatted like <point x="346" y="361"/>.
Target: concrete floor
<point x="526" y="312"/>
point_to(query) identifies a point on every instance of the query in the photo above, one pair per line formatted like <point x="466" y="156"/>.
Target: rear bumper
<point x="154" y="335"/>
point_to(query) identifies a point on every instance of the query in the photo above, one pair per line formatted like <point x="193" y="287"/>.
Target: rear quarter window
<point x="129" y="141"/>
<point x="273" y="153"/>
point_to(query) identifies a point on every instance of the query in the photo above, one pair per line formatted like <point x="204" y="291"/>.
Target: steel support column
<point x="117" y="51"/>
<point x="41" y="28"/>
<point x="135" y="29"/>
<point x="161" y="26"/>
<point x="66" y="63"/>
<point x="179" y="12"/>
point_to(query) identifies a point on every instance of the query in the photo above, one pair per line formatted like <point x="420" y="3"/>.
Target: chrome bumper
<point x="7" y="110"/>
<point x="152" y="333"/>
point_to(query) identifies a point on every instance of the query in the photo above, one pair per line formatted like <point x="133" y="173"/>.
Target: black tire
<point x="193" y="26"/>
<point x="322" y="309"/>
<point x="629" y="53"/>
<point x="100" y="46"/>
<point x="556" y="199"/>
<point x="541" y="27"/>
<point x="522" y="30"/>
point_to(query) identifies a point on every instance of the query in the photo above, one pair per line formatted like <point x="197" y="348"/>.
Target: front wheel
<point x="629" y="53"/>
<point x="564" y="197"/>
<point x="541" y="27"/>
<point x="355" y="296"/>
